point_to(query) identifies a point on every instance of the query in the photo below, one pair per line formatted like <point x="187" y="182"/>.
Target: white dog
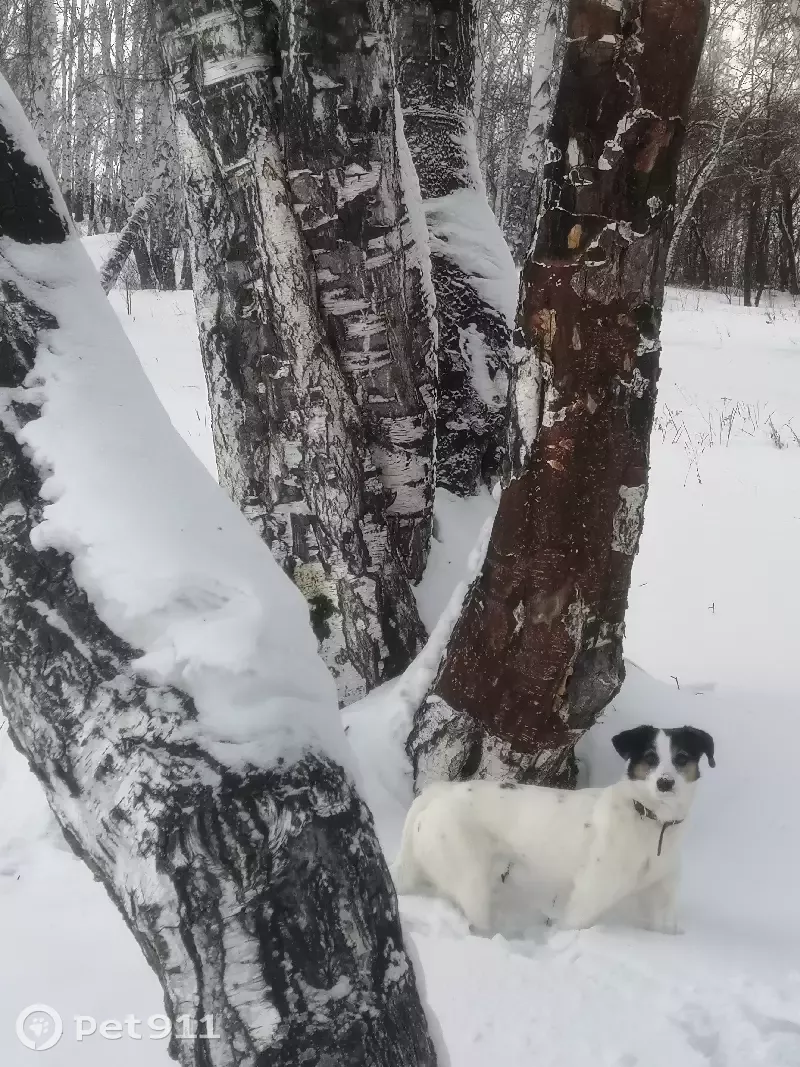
<point x="583" y="851"/>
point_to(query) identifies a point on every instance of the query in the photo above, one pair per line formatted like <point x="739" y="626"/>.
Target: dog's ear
<point x="631" y="743"/>
<point x="697" y="742"/>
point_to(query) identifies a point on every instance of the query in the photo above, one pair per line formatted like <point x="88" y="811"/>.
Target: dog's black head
<point x="664" y="764"/>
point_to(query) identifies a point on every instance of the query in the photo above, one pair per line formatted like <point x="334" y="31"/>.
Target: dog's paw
<point x="666" y="926"/>
<point x="576" y="920"/>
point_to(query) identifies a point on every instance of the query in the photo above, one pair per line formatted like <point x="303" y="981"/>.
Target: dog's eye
<point x="651" y="759"/>
<point x="681" y="759"/>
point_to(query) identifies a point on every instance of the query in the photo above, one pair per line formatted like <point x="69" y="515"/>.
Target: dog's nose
<point x="665" y="785"/>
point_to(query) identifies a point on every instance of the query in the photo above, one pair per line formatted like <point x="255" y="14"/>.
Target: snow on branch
<point x="169" y="563"/>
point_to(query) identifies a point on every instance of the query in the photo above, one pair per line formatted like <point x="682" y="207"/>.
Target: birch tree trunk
<point x="288" y="437"/>
<point x="547" y="58"/>
<point x="685" y="215"/>
<point x="132" y="232"/>
<point x="473" y="272"/>
<point x="340" y="137"/>
<point x="537" y="651"/>
<point x="256" y="890"/>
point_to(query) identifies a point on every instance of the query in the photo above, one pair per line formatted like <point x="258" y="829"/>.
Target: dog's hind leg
<point x="459" y="861"/>
<point x="474" y="897"/>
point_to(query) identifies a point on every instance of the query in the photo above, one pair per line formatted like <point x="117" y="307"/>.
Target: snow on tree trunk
<point x="158" y="672"/>
<point x="473" y="272"/>
<point x="288" y="436"/>
<point x="537" y="651"/>
<point x="338" y="127"/>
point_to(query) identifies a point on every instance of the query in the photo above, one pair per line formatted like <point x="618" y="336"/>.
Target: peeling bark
<point x="472" y="268"/>
<point x="339" y="135"/>
<point x="259" y="896"/>
<point x="537" y="651"/>
<point x="288" y="436"/>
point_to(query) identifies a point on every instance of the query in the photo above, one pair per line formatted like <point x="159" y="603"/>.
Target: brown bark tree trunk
<point x="537" y="651"/>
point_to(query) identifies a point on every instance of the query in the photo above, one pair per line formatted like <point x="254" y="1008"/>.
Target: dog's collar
<point x="646" y="813"/>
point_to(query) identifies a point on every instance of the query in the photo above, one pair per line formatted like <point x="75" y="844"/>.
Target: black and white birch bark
<point x="132" y="232"/>
<point x="525" y="198"/>
<point x="198" y="775"/>
<point x="703" y="174"/>
<point x="287" y="432"/>
<point x="473" y="272"/>
<point x="340" y="139"/>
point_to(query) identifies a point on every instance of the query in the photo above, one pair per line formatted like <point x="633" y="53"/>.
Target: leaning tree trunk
<point x="340" y="139"/>
<point x="131" y="236"/>
<point x="254" y="884"/>
<point x="685" y="215"/>
<point x="537" y="651"/>
<point x="287" y="433"/>
<point x="473" y="272"/>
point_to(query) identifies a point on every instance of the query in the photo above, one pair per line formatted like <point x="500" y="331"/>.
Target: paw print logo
<point x="39" y="1027"/>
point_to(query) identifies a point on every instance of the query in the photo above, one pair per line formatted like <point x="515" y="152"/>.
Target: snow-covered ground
<point x="712" y="627"/>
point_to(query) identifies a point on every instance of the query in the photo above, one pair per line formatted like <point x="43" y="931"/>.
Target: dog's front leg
<point x="596" y="889"/>
<point x="658" y="905"/>
<point x="474" y="897"/>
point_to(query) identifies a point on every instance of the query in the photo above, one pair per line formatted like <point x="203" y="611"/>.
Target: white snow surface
<point x="712" y="632"/>
<point x="463" y="228"/>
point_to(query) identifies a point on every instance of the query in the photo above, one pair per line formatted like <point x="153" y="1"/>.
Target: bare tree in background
<point x="89" y="76"/>
<point x="537" y="651"/>
<point x="28" y="38"/>
<point x="739" y="181"/>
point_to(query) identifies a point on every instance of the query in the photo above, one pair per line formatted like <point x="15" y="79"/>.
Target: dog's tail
<point x="405" y="871"/>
